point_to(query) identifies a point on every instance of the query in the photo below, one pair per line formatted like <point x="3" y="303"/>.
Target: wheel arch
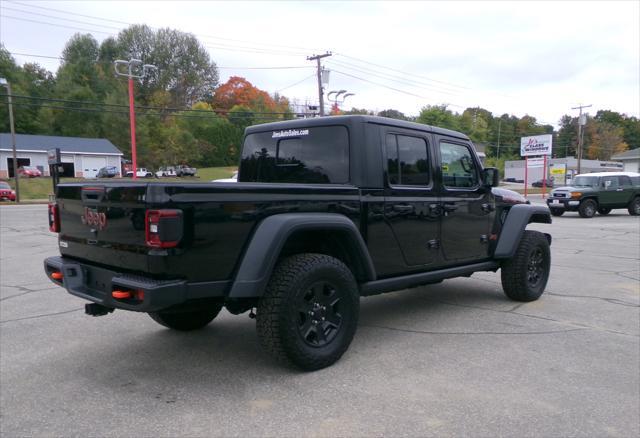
<point x="518" y="218"/>
<point x="293" y="233"/>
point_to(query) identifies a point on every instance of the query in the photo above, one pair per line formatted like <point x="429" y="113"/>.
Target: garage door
<point x="91" y="166"/>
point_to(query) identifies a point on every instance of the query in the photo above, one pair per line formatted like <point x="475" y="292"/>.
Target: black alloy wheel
<point x="535" y="268"/>
<point x="318" y="313"/>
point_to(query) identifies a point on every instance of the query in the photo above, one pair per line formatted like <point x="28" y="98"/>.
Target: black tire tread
<point x="513" y="271"/>
<point x="272" y="334"/>
<point x="631" y="208"/>
<point x="582" y="209"/>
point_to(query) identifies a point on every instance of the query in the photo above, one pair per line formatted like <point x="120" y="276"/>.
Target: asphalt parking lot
<point x="451" y="359"/>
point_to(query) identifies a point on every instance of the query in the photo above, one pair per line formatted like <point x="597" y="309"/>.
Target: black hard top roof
<point x="348" y="120"/>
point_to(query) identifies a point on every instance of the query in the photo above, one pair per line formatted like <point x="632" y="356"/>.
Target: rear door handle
<point x="403" y="208"/>
<point x="487" y="208"/>
<point x="619" y="190"/>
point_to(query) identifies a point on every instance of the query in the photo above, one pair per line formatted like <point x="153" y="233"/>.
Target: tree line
<point x="184" y="115"/>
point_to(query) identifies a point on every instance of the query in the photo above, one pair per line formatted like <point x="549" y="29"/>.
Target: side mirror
<point x="491" y="176"/>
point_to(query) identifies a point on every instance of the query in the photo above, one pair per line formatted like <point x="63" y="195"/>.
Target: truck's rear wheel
<point x="186" y="321"/>
<point x="557" y="211"/>
<point x="309" y="312"/>
<point x="525" y="275"/>
<point x="587" y="208"/>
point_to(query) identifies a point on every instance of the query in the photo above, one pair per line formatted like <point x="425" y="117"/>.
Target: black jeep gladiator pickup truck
<point x="325" y="211"/>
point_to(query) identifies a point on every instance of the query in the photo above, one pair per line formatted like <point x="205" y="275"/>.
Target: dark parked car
<point x="6" y="192"/>
<point x="325" y="211"/>
<point x="540" y="181"/>
<point x="107" y="172"/>
<point x="29" y="172"/>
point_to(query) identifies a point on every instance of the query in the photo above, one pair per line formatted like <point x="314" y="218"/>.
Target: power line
<point x="391" y="88"/>
<point x="392" y="78"/>
<point x="284" y="67"/>
<point x="251" y="116"/>
<point x="117" y="105"/>
<point x="296" y="83"/>
<point x="403" y="72"/>
<point x="56" y="25"/>
<point x="305" y="49"/>
<point x="218" y="46"/>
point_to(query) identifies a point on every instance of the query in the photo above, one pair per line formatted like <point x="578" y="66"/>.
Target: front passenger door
<point x="467" y="204"/>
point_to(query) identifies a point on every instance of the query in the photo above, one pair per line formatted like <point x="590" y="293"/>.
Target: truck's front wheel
<point x="186" y="321"/>
<point x="309" y="312"/>
<point x="525" y="275"/>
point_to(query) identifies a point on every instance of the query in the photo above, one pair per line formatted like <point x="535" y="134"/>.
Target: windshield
<point x="4" y="185"/>
<point x="585" y="181"/>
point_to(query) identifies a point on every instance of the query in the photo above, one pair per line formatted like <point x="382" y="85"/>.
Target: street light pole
<point x="132" y="114"/>
<point x="4" y="82"/>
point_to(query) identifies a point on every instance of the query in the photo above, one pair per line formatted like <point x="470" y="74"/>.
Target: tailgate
<point x="104" y="223"/>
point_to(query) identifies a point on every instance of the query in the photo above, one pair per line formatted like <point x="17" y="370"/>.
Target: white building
<point x="81" y="157"/>
<point x="631" y="160"/>
<point x="514" y="170"/>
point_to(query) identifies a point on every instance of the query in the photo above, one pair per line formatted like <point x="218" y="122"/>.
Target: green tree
<point x="440" y="116"/>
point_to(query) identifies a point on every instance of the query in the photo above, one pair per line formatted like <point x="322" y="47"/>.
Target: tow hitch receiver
<point x="95" y="309"/>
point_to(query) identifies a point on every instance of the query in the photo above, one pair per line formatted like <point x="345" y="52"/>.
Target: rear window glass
<point x="317" y="155"/>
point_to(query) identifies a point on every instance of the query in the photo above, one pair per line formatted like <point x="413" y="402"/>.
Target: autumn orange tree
<point x="240" y="93"/>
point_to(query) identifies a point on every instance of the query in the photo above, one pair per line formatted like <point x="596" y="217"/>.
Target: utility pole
<point x="12" y="126"/>
<point x="580" y="134"/>
<point x="499" y="126"/>
<point x="131" y="64"/>
<point x="317" y="58"/>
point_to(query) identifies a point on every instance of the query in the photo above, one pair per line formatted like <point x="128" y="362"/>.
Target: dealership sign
<point x="535" y="162"/>
<point x="536" y="145"/>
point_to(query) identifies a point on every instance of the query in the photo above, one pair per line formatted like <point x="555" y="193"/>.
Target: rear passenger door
<point x="411" y="202"/>
<point x="467" y="204"/>
<point x="611" y="193"/>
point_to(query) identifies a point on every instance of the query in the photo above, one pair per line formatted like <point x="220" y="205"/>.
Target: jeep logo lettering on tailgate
<point x="94" y="219"/>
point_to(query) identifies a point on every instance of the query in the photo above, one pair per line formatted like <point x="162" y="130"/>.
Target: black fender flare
<point x="514" y="225"/>
<point x="269" y="238"/>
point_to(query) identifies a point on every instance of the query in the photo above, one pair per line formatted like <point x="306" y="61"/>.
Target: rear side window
<point x="458" y="167"/>
<point x="625" y="181"/>
<point x="407" y="160"/>
<point x="317" y="155"/>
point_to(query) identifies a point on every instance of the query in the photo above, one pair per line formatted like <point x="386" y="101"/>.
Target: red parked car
<point x="6" y="192"/>
<point x="29" y="171"/>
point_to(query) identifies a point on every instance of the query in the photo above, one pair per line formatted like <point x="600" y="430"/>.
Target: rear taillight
<point x="163" y="228"/>
<point x="54" y="218"/>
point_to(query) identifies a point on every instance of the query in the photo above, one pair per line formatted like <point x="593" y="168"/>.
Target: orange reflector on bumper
<point x="121" y="295"/>
<point x="56" y="275"/>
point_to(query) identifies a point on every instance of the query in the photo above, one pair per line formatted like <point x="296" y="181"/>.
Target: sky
<point x="541" y="58"/>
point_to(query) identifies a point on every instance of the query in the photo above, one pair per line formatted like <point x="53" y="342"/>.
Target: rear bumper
<point x="96" y="284"/>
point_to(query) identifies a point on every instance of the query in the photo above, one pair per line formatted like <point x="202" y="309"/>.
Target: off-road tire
<point x="588" y="208"/>
<point x="634" y="206"/>
<point x="187" y="321"/>
<point x="517" y="273"/>
<point x="280" y="315"/>
<point x="604" y="211"/>
<point x="557" y="211"/>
